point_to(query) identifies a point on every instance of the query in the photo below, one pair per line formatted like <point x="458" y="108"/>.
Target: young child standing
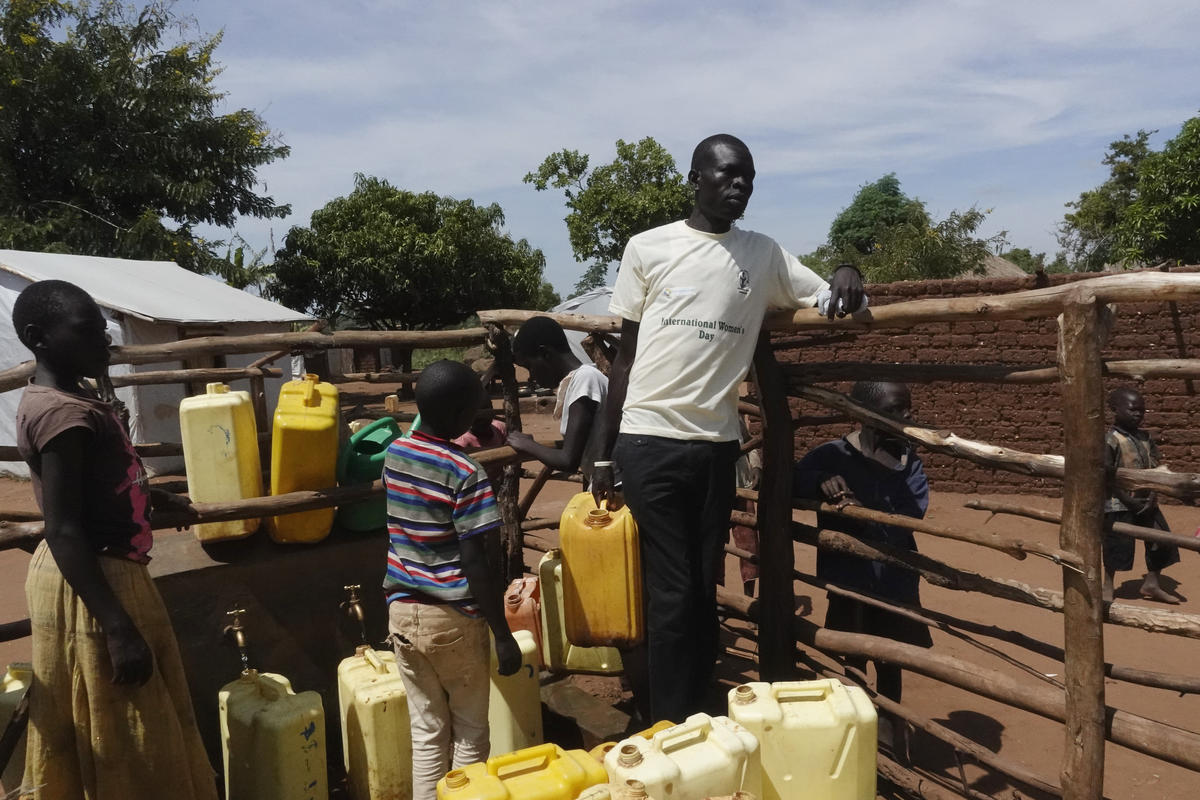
<point x="1127" y="445"/>
<point x="441" y="595"/>
<point x="110" y="715"/>
<point x="541" y="347"/>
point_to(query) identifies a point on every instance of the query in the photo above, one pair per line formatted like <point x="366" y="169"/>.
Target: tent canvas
<point x="144" y="302"/>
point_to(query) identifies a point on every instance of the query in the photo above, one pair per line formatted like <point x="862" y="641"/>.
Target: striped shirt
<point x="436" y="496"/>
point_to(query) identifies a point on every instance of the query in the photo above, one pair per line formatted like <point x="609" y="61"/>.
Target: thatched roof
<point x="997" y="267"/>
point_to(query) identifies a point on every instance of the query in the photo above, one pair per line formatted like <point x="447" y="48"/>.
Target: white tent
<point x="145" y="302"/>
<point x="593" y="301"/>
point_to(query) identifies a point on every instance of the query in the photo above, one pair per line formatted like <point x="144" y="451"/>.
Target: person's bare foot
<point x="1157" y="593"/>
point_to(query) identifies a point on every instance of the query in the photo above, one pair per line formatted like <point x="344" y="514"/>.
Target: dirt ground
<point x="1018" y="736"/>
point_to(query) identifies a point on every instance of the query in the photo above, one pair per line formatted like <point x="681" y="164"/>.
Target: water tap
<point x="353" y="608"/>
<point x="237" y="632"/>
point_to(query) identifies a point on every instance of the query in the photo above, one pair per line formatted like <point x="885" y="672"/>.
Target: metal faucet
<point x="237" y="632"/>
<point x="352" y="605"/>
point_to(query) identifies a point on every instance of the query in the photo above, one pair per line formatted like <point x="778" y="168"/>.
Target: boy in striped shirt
<point x="441" y="595"/>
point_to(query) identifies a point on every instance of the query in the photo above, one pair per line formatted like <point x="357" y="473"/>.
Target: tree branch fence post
<point x="509" y="491"/>
<point x="1084" y="491"/>
<point x="777" y="642"/>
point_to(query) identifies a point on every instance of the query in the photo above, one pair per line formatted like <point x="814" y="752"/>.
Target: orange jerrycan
<point x="376" y="732"/>
<point x="13" y="685"/>
<point x="544" y="772"/>
<point x="832" y="724"/>
<point x="304" y="453"/>
<point x="558" y="654"/>
<point x="702" y="756"/>
<point x="273" y="740"/>
<point x="220" y="455"/>
<point x="523" y="609"/>
<point x="602" y="574"/>
<point x="515" y="702"/>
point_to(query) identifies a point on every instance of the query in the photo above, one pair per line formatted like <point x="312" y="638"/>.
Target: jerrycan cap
<point x="512" y="599"/>
<point x="362" y="648"/>
<point x="634" y="789"/>
<point x="456" y="779"/>
<point x="744" y="694"/>
<point x="629" y="756"/>
<point x="216" y="388"/>
<point x="598" y="518"/>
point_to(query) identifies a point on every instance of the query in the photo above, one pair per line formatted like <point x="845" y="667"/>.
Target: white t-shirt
<point x="584" y="381"/>
<point x="700" y="300"/>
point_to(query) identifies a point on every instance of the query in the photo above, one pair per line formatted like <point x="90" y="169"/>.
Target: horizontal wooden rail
<point x="15" y="377"/>
<point x="15" y="630"/>
<point x="22" y="534"/>
<point x="386" y="376"/>
<point x="1141" y="287"/>
<point x="941" y="574"/>
<point x="9" y="452"/>
<point x="1135" y="531"/>
<point x="213" y="375"/>
<point x="587" y="323"/>
<point x="1182" y="485"/>
<point x="982" y="373"/>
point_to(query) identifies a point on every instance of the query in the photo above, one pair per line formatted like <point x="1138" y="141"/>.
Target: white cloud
<point x="464" y="98"/>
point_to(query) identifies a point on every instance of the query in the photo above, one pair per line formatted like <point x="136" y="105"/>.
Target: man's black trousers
<point x="680" y="493"/>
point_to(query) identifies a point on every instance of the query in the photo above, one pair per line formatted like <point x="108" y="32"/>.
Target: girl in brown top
<point x="110" y="715"/>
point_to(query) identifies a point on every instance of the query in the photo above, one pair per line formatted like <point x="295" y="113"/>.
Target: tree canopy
<point x="891" y="237"/>
<point x="639" y="190"/>
<point x="110" y="143"/>
<point x="389" y="258"/>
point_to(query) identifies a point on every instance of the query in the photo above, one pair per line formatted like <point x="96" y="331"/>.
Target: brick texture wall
<point x="1024" y="417"/>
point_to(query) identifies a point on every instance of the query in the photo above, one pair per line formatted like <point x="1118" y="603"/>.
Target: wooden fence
<point x="1081" y="308"/>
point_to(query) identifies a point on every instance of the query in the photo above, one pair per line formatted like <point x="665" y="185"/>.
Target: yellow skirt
<point x="91" y="739"/>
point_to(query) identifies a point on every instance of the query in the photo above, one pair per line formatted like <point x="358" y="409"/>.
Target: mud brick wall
<point x="1024" y="417"/>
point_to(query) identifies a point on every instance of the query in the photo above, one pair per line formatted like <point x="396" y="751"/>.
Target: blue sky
<point x="1007" y="106"/>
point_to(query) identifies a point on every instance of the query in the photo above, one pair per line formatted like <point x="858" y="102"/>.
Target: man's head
<point x="722" y="176"/>
<point x="1128" y="407"/>
<point x="539" y="346"/>
<point x="448" y="395"/>
<point x="64" y="328"/>
<point x="890" y="398"/>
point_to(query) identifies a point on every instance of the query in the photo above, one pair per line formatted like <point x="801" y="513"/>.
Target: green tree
<point x="110" y="143"/>
<point x="877" y="206"/>
<point x="639" y="190"/>
<point x="1162" y="221"/>
<point x="1089" y="233"/>
<point x="389" y="258"/>
<point x="890" y="237"/>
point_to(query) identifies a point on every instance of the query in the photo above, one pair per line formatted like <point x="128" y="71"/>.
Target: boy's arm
<point x="62" y="485"/>
<point x="610" y="419"/>
<point x="579" y="427"/>
<point x="489" y="594"/>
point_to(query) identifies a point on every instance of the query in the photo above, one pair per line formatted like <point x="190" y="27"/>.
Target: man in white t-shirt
<point x="541" y="347"/>
<point x="692" y="295"/>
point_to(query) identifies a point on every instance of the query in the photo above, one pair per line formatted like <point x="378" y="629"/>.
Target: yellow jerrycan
<point x="220" y="455"/>
<point x="602" y="574"/>
<point x="273" y="740"/>
<point x="544" y="772"/>
<point x="304" y="453"/>
<point x="515" y="702"/>
<point x="558" y="654"/>
<point x="701" y="757"/>
<point x="376" y="732"/>
<point x="13" y="685"/>
<point x="831" y="724"/>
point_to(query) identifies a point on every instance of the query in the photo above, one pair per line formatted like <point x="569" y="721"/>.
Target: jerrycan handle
<point x="375" y="661"/>
<point x="270" y="688"/>
<point x="531" y="759"/>
<point x="792" y="694"/>
<point x="683" y="734"/>
<point x="310" y="389"/>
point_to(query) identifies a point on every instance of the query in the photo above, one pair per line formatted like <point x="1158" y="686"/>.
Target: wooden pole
<point x="509" y="493"/>
<point x="1081" y="532"/>
<point x="1141" y="369"/>
<point x="1136" y="531"/>
<point x="1155" y="620"/>
<point x="776" y="644"/>
<point x="532" y="493"/>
